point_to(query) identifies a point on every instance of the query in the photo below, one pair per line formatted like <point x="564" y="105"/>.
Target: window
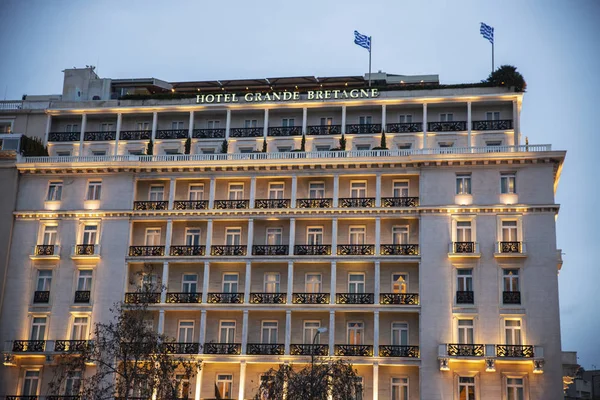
<point x="363" y="147"/>
<point x="405" y="118"/>
<point x="508" y="183"/>
<point x="135" y="152"/>
<point x="98" y="152"/>
<point x="157" y="193"/>
<point x="463" y="183"/>
<point x="172" y="151"/>
<point x="90" y="234"/>
<point x="322" y="148"/>
<point x="189" y="283"/>
<point x="357" y="235"/>
<point x="284" y="149"/>
<point x="444" y="145"/>
<point x="236" y="191"/>
<point x="183" y="386"/>
<point x="213" y="124"/>
<point x="312" y="283"/>
<point x="492" y="144"/>
<point x="246" y="150"/>
<point x="72" y="128"/>
<point x="250" y="123"/>
<point x="464" y="280"/>
<point x="149" y="282"/>
<point x="276" y="190"/>
<point x="50" y="233"/>
<point x="73" y="383"/>
<point x="196" y="192"/>
<point x="106" y="127"/>
<point x="233" y="236"/>
<point x="314" y="235"/>
<point x="65" y="153"/>
<point x="230" y="283"/>
<point x="54" y="191"/>
<point x="463" y="231"/>
<point x="186" y="332"/>
<point x="227" y="331"/>
<point x="404" y="146"/>
<point x="44" y="280"/>
<point x="84" y="280"/>
<point x="365" y="120"/>
<point x="152" y="237"/>
<point x="400" y="234"/>
<point x="399" y="282"/>
<point x="356" y="332"/>
<point x="399" y="389"/>
<point x="80" y="328"/>
<point x="465" y="331"/>
<point x="356" y="283"/>
<point x="466" y="388"/>
<point x="31" y="381"/>
<point x="512" y="331"/>
<point x="287" y="122"/>
<point x="224" y="386"/>
<point x="399" y="334"/>
<point x="400" y="188"/>
<point x="207" y="150"/>
<point x="143" y="126"/>
<point x="272" y="282"/>
<point x="269" y="332"/>
<point x="310" y="330"/>
<point x="515" y="388"/>
<point x="38" y="328"/>
<point x="327" y="121"/>
<point x="509" y="231"/>
<point x="510" y="278"/>
<point x="177" y="125"/>
<point x="316" y="190"/>
<point x="492" y="115"/>
<point x="274" y="236"/>
<point x="358" y="189"/>
<point x="192" y="236"/>
<point x="446" y="117"/>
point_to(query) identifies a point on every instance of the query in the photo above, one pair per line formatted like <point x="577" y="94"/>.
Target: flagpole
<point x="370" y="47"/>
<point x="492" y="57"/>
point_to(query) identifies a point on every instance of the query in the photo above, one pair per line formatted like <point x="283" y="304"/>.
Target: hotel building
<point x="432" y="264"/>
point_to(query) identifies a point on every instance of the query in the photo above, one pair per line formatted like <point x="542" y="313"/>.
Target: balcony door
<point x="274" y="236"/>
<point x="509" y="231"/>
<point x="276" y="190"/>
<point x="269" y="332"/>
<point x="156" y="193"/>
<point x="512" y="332"/>
<point x="227" y="332"/>
<point x="230" y="283"/>
<point x="152" y="237"/>
<point x="399" y="334"/>
<point x="446" y="117"/>
<point x="196" y="192"/>
<point x="356" y="283"/>
<point x="84" y="280"/>
<point x="176" y="124"/>
<point x="250" y="123"/>
<point x="510" y="278"/>
<point x="189" y="283"/>
<point x="272" y="280"/>
<point x="310" y="330"/>
<point x="365" y="120"/>
<point x="90" y="234"/>
<point x="50" y="234"/>
<point x="192" y="237"/>
<point x="233" y="236"/>
<point x="31" y="382"/>
<point x="143" y="126"/>
<point x="73" y="384"/>
<point x="464" y="281"/>
<point x="356" y="333"/>
<point x="465" y="331"/>
<point x="316" y="190"/>
<point x="186" y="332"/>
<point x="224" y="386"/>
<point x="400" y="188"/>
<point x="80" y="328"/>
<point x="399" y="282"/>
<point x="358" y="190"/>
<point x="326" y="121"/>
<point x="106" y="127"/>
<point x="463" y="231"/>
<point x="38" y="328"/>
<point x="287" y="122"/>
<point x="44" y="280"/>
<point x="314" y="236"/>
<point x="236" y="191"/>
<point x="357" y="235"/>
<point x="313" y="283"/>
<point x="400" y="234"/>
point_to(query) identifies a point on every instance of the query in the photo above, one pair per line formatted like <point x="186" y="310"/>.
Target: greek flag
<point x="362" y="40"/>
<point x="487" y="32"/>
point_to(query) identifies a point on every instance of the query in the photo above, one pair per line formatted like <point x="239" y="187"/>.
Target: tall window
<point x="94" y="190"/>
<point x="316" y="190"/>
<point x="224" y="385"/>
<point x="464" y="280"/>
<point x="250" y="123"/>
<point x="50" y="233"/>
<point x="176" y="124"/>
<point x="73" y="383"/>
<point x="38" y="328"/>
<point x="405" y="118"/>
<point x="399" y="334"/>
<point x="274" y="236"/>
<point x="512" y="331"/>
<point x="233" y="236"/>
<point x="276" y="190"/>
<point x="356" y="283"/>
<point x="465" y="331"/>
<point x="310" y="330"/>
<point x="463" y="183"/>
<point x="399" y="389"/>
<point x="189" y="283"/>
<point x="515" y="388"/>
<point x="399" y="283"/>
<point x="186" y="332"/>
<point x="149" y="282"/>
<point x="446" y="117"/>
<point x="356" y="333"/>
<point x="463" y="231"/>
<point x="31" y="381"/>
<point x="365" y="120"/>
<point x="72" y="128"/>
<point x="153" y="237"/>
<point x="508" y="183"/>
<point x="509" y="231"/>
<point x="357" y="235"/>
<point x="156" y="193"/>
<point x="400" y="188"/>
<point x="196" y="192"/>
<point x="287" y="122"/>
<point x="213" y="124"/>
<point x="269" y="332"/>
<point x="236" y="191"/>
<point x="227" y="331"/>
<point x="327" y="121"/>
<point x="313" y="283"/>
<point x="80" y="328"/>
<point x="230" y="283"/>
<point x="54" y="191"/>
<point x="84" y="280"/>
<point x="106" y="127"/>
<point x="314" y="235"/>
<point x="510" y="278"/>
<point x="192" y="237"/>
<point x="90" y="234"/>
<point x="400" y="234"/>
<point x="44" y="280"/>
<point x="272" y="282"/>
<point x="143" y="126"/>
<point x="492" y="115"/>
<point x="358" y="190"/>
<point x="357" y="394"/>
<point x="466" y="388"/>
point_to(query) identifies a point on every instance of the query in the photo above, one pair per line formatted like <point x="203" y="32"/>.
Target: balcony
<point x="447" y="126"/>
<point x="222" y="348"/>
<point x="216" y="133"/>
<point x="314" y="203"/>
<point x="231" y="204"/>
<point x="135" y="135"/>
<point x="272" y="203"/>
<point x="268" y="298"/>
<point x="172" y="134"/>
<point x="186" y="251"/>
<point x="466" y="350"/>
<point x="310" y="298"/>
<point x="150" y="205"/>
<point x="511" y="297"/>
<point x="464" y="297"/>
<point x="406" y="127"/>
<point x="28" y="346"/>
<point x="402" y="299"/>
<point x="41" y="296"/>
<point x="399" y="249"/>
<point x="29" y="397"/>
<point x="228" y="250"/>
<point x="494" y="125"/>
<point x="181" y="348"/>
<point x="354" y="298"/>
<point x="363" y="128"/>
<point x="351" y="202"/>
<point x="270" y="349"/>
<point x="284" y="131"/>
<point x="225" y="298"/>
<point x="399" y="351"/>
<point x="246" y="132"/>
<point x="309" y="349"/>
<point x="64" y="136"/>
<point x="82" y="296"/>
<point x="355" y="249"/>
<point x="354" y="350"/>
<point x="510" y="249"/>
<point x="45" y="251"/>
<point x="324" y="129"/>
<point x="514" y="351"/>
<point x="399" y="202"/>
<point x="190" y="204"/>
<point x="142" y="297"/>
<point x="464" y="249"/>
<point x="184" y="298"/>
<point x="146" y="251"/>
<point x="99" y="136"/>
<point x="312" y="249"/>
<point x="270" y="250"/>
<point x="71" y="346"/>
<point x="73" y="397"/>
<point x="85" y="251"/>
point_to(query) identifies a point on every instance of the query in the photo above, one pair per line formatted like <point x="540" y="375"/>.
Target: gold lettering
<point x="296" y="95"/>
<point x="210" y="98"/>
<point x="364" y="93"/>
<point x="248" y="97"/>
<point x="319" y="95"/>
<point x="234" y="98"/>
<point x="287" y="96"/>
<point x="276" y="96"/>
<point x="345" y="94"/>
<point x="374" y="92"/>
<point x="354" y="93"/>
<point x="226" y="98"/>
<point x="258" y="97"/>
<point x="219" y="97"/>
<point x="335" y="94"/>
<point x="328" y="94"/>
<point x="267" y="97"/>
<point x="311" y="95"/>
<point x="199" y="98"/>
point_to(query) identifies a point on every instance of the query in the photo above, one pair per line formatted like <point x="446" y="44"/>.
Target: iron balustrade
<point x="465" y="350"/>
<point x="511" y="297"/>
<point x="216" y="133"/>
<point x="354" y="350"/>
<point x="71" y="346"/>
<point x="184" y="297"/>
<point x="64" y="136"/>
<point x="447" y="126"/>
<point x="135" y="135"/>
<point x="314" y="203"/>
<point x="284" y="131"/>
<point x="181" y="348"/>
<point x="222" y="348"/>
<point x="272" y="203"/>
<point x="45" y="250"/>
<point x="41" y="296"/>
<point x="270" y="250"/>
<point x="150" y="205"/>
<point x="309" y="349"/>
<point x="464" y="297"/>
<point x="186" y="251"/>
<point x="399" y="249"/>
<point x="268" y="298"/>
<point x="225" y="298"/>
<point x="363" y="128"/>
<point x="358" y="202"/>
<point x="398" y="351"/>
<point x="172" y="134"/>
<point x="399" y="202"/>
<point x="28" y="346"/>
<point x="246" y="132"/>
<point x="510" y="247"/>
<point x="60" y="397"/>
<point x="493" y="125"/>
<point x="515" y="351"/>
<point x="142" y="297"/>
<point x="99" y="136"/>
<point x="404" y="127"/>
<point x="271" y="349"/>
<point x="146" y="251"/>
<point x="190" y="204"/>
<point x="404" y="299"/>
<point x="354" y="298"/>
<point x="312" y="249"/>
<point x="464" y="247"/>
<point x="324" y="129"/>
<point x="85" y="249"/>
<point x="228" y="250"/>
<point x="355" y="249"/>
<point x="310" y="298"/>
<point x="231" y="204"/>
<point x="82" y="296"/>
<point x="24" y="397"/>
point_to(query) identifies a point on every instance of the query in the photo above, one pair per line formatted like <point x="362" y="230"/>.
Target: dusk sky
<point x="554" y="44"/>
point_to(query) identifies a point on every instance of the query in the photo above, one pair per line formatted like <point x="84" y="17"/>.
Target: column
<point x="304" y="119"/>
<point x="292" y="236"/>
<point x="161" y="322"/>
<point x="205" y="282"/>
<point x="383" y="117"/>
<point x="266" y="124"/>
<point x="424" y="146"/>
<point x="191" y="124"/>
<point x="82" y="133"/>
<point x="171" y="193"/>
<point x="118" y="132"/>
<point x="469" y="126"/>
<point x="516" y="123"/>
<point x="332" y="283"/>
<point x="247" y="282"/>
<point x="331" y="332"/>
<point x="334" y="236"/>
<point x="211" y="193"/>
<point x="227" y="124"/>
<point x="244" y="331"/>
<point x="288" y="331"/>
<point x="377" y="236"/>
<point x="168" y="236"/>
<point x="290" y="281"/>
<point x="294" y="191"/>
<point x="336" y="190"/>
<point x="242" y="379"/>
<point x="48" y="127"/>
<point x="252" y="191"/>
<point x="375" y="380"/>
<point x="378" y="190"/>
<point x="198" y="383"/>
<point x="250" y="235"/>
<point x="202" y="338"/>
<point x="209" y="229"/>
<point x="376" y="333"/>
<point x="377" y="280"/>
<point x="154" y="124"/>
<point x="165" y="282"/>
<point x="343" y="119"/>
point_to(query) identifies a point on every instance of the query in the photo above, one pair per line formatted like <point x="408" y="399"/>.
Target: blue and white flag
<point x="362" y="40"/>
<point x="487" y="32"/>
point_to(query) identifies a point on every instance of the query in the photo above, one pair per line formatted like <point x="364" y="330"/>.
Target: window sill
<point x="463" y="199"/>
<point x="52" y="205"/>
<point x="91" y="204"/>
<point x="509" y="198"/>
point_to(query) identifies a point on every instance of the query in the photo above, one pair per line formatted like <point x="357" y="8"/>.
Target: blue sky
<point x="553" y="43"/>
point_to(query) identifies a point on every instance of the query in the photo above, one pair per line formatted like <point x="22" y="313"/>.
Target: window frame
<point x="96" y="232"/>
<point x="475" y="385"/>
<point x="277" y="191"/>
<point x="447" y="117"/>
<point x="511" y="375"/>
<point x="234" y="328"/>
<point x="462" y="218"/>
<point x="274" y="231"/>
<point x="352" y="189"/>
<point x="364" y="281"/>
<point x="189" y="233"/>
<point x="237" y="281"/>
<point x="24" y="379"/>
<point x="186" y="328"/>
<point x="308" y="234"/>
<point x="231" y="232"/>
<point x="400" y="385"/>
<point x="54" y="235"/>
<point x="393" y="282"/>
<point x="392" y="329"/>
<point x="84" y="279"/>
<point x="94" y="190"/>
<point x="361" y="329"/>
<point x="189" y="283"/>
<point x="159" y="235"/>
<point x="397" y="181"/>
<point x="55" y="189"/>
<point x="155" y="186"/>
<point x="228" y="382"/>
<point x="85" y="327"/>
<point x="198" y="189"/>
<point x="363" y="228"/>
<point x="270" y="329"/>
<point x="404" y="118"/>
<point x="230" y="191"/>
<point x="521" y="329"/>
<point x="466" y="184"/>
<point x="316" y="190"/>
<point x="45" y="325"/>
<point x="311" y="329"/>
<point x="508" y="176"/>
<point x="465" y="328"/>
<point x="276" y="282"/>
<point x="399" y="227"/>
<point x="306" y="283"/>
<point x="47" y="280"/>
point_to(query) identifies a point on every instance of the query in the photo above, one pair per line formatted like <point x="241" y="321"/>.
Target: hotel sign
<point x="312" y="95"/>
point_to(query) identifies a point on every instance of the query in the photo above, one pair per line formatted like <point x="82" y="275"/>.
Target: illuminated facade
<point x="432" y="264"/>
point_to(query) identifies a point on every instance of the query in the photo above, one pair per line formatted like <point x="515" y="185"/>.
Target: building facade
<point x="432" y="264"/>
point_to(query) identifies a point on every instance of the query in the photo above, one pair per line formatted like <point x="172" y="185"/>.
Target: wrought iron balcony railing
<point x="399" y="249"/>
<point x="511" y="297"/>
<point x="231" y="204"/>
<point x="398" y="351"/>
<point x="271" y="349"/>
<point x="150" y="205"/>
<point x="82" y="296"/>
<point x="309" y="349"/>
<point x="186" y="251"/>
<point x="28" y="346"/>
<point x="41" y="296"/>
<point x="399" y="202"/>
<point x="46" y="250"/>
<point x="225" y="298"/>
<point x="354" y="298"/>
<point x="314" y="203"/>
<point x="246" y="132"/>
<point x="268" y="298"/>
<point x="181" y="348"/>
<point x="270" y="250"/>
<point x="222" y="348"/>
<point x="310" y="298"/>
<point x="99" y="136"/>
<point x="85" y="249"/>
<point x="495" y="125"/>
<point x="142" y="297"/>
<point x="73" y="397"/>
<point x="135" y="135"/>
<point x="448" y="126"/>
<point x="514" y="351"/>
<point x="284" y="131"/>
<point x="312" y="249"/>
<point x="25" y="397"/>
<point x="360" y="202"/>
<point x="215" y="133"/>
<point x="464" y="297"/>
<point x="184" y="297"/>
<point x="404" y="299"/>
<point x="324" y="129"/>
<point x="190" y="204"/>
<point x="355" y="249"/>
<point x="146" y="251"/>
<point x="71" y="346"/>
<point x="272" y="203"/>
<point x="509" y="247"/>
<point x="404" y="127"/>
<point x="354" y="350"/>
<point x="171" y="133"/>
<point x="64" y="136"/>
<point x="465" y="350"/>
<point x="463" y="247"/>
<point x="363" y="128"/>
<point x="228" y="250"/>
